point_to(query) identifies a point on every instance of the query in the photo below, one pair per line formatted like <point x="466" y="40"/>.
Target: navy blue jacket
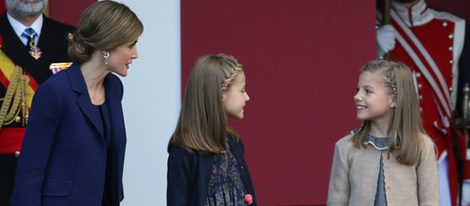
<point x="64" y="155"/>
<point x="189" y="174"/>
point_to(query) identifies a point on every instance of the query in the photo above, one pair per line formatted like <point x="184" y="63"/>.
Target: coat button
<point x="451" y="62"/>
<point x="451" y="36"/>
<point x="451" y="48"/>
<point x="444" y="24"/>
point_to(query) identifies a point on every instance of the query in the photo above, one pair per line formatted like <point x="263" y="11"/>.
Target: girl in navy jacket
<point x="206" y="165"/>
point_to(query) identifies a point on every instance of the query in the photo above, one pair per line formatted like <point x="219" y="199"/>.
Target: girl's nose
<point x="357" y="97"/>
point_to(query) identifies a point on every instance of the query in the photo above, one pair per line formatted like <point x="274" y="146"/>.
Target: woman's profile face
<point x="121" y="57"/>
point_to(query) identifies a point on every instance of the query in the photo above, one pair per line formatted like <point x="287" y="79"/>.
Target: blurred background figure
<point x="33" y="42"/>
<point x="435" y="45"/>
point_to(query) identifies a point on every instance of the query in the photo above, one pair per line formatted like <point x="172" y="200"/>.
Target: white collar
<point x="18" y="27"/>
<point x="415" y="15"/>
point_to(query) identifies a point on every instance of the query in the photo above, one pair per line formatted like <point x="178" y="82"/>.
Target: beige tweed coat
<point x="354" y="176"/>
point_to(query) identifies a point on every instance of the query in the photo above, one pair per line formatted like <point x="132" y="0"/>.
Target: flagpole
<point x="386" y="19"/>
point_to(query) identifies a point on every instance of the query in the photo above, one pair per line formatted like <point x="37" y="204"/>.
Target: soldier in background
<point x="435" y="45"/>
<point x="30" y="42"/>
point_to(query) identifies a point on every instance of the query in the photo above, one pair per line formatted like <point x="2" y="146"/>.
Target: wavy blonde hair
<point x="406" y="125"/>
<point x="202" y="122"/>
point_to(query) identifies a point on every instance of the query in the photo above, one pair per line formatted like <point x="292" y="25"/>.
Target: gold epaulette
<point x="57" y="67"/>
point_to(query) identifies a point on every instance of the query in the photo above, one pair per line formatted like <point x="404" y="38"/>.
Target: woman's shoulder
<point x="115" y="83"/>
<point x="54" y="85"/>
<point x="114" y="78"/>
<point x="56" y="80"/>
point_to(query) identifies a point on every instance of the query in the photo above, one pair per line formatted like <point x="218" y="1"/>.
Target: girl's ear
<point x="393" y="102"/>
<point x="224" y="96"/>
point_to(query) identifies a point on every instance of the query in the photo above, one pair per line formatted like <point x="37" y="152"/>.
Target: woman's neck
<point x="94" y="74"/>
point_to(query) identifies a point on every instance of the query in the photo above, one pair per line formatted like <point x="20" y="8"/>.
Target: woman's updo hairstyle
<point x="105" y="25"/>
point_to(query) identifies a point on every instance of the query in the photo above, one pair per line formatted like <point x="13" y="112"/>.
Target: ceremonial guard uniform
<point x="435" y="44"/>
<point x="22" y="70"/>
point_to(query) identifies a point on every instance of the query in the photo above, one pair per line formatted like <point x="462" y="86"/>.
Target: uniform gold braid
<point x="14" y="109"/>
<point x="18" y="103"/>
<point x="11" y="90"/>
<point x="15" y="100"/>
<point x="24" y="107"/>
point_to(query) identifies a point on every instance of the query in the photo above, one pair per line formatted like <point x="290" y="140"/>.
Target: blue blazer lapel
<point x="78" y="85"/>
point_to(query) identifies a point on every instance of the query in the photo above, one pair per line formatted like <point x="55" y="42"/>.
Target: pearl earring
<point x="106" y="58"/>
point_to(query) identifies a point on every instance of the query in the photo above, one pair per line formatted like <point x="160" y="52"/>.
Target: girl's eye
<point x="368" y="91"/>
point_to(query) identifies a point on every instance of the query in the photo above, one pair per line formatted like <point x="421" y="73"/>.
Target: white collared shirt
<point x="19" y="28"/>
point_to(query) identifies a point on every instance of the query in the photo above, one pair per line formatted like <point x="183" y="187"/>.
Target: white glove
<point x="385" y="40"/>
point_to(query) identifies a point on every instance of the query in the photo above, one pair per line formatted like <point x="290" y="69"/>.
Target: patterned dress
<point x="225" y="184"/>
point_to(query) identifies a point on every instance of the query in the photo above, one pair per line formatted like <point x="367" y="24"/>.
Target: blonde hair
<point x="104" y="25"/>
<point x="202" y="122"/>
<point x="406" y="125"/>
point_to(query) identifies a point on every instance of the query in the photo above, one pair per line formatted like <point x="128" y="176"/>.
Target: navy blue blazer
<point x="64" y="154"/>
<point x="189" y="174"/>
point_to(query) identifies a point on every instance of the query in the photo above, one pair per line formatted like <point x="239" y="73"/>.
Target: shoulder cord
<point x="9" y="111"/>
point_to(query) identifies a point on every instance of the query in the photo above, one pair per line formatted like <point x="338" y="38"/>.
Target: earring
<point x="106" y="58"/>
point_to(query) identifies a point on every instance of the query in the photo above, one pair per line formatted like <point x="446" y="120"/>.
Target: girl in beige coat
<point x="389" y="160"/>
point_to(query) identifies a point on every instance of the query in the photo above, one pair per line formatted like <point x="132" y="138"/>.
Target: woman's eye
<point x="132" y="45"/>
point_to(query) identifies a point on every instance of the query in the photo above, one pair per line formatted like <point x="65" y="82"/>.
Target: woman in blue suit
<point x="73" y="150"/>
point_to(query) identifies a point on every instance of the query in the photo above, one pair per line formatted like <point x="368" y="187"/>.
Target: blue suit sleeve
<point x="120" y="93"/>
<point x="37" y="145"/>
<point x="178" y="177"/>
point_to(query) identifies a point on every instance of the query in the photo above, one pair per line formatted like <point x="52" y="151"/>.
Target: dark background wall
<point x="460" y="8"/>
<point x="302" y="60"/>
<point x="68" y="11"/>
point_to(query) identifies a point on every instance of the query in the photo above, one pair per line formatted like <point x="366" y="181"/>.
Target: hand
<point x="385" y="40"/>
